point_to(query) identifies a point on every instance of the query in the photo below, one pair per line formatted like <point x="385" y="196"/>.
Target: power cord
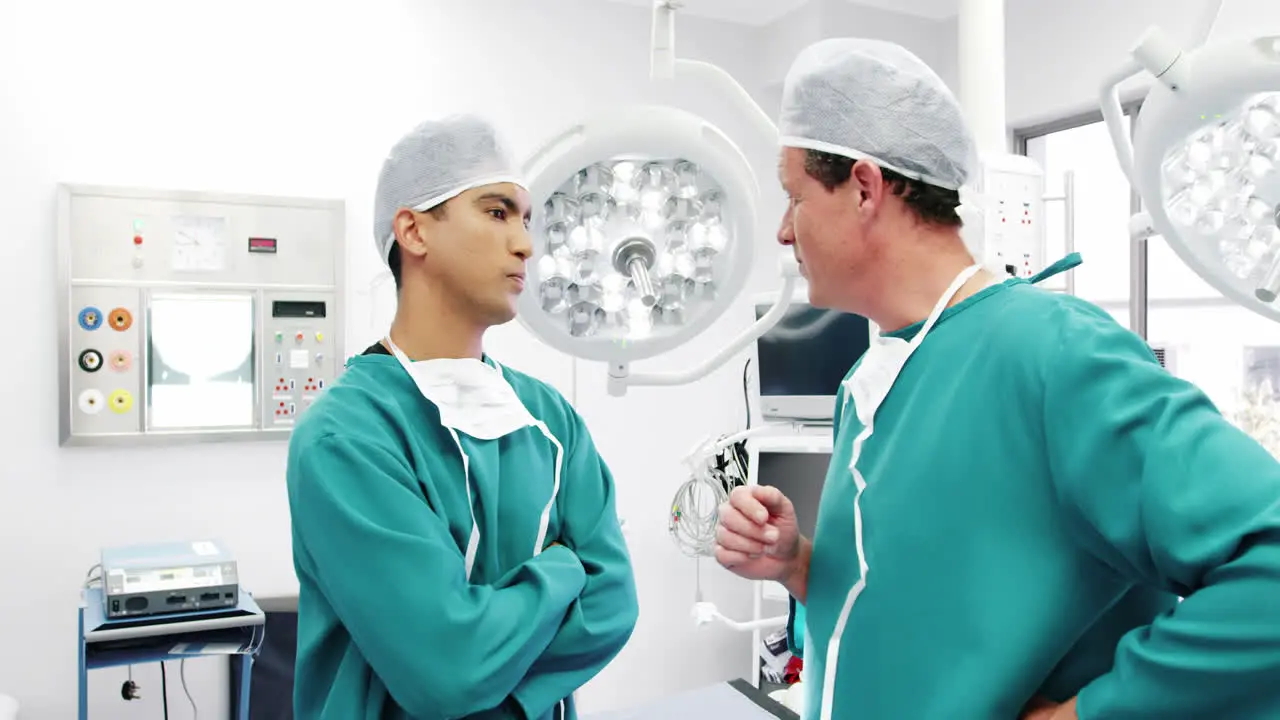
<point x="164" y="689"/>
<point x="182" y="673"/>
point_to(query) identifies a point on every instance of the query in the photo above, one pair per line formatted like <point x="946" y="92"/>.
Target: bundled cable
<point x="694" y="512"/>
<point x="716" y="467"/>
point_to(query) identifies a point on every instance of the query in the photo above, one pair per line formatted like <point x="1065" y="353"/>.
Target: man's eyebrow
<point x="506" y="200"/>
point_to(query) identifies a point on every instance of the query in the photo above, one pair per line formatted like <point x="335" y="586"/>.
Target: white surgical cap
<point x="874" y="100"/>
<point x="437" y="161"/>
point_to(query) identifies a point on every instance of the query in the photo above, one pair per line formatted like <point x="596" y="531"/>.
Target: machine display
<point x="146" y="580"/>
<point x="194" y="316"/>
<point x="803" y="359"/>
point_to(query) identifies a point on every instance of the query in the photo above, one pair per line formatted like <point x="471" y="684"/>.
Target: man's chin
<point x="813" y="294"/>
<point x="502" y="317"/>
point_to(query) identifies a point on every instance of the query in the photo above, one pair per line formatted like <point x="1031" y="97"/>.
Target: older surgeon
<point x="1018" y="494"/>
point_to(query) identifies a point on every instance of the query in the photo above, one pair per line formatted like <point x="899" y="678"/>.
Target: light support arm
<point x="1159" y="55"/>
<point x="1113" y="114"/>
<point x="662" y="55"/>
<point x="1156" y="53"/>
<point x="621" y="378"/>
<point x="746" y="105"/>
<point x="1212" y="9"/>
<point x="665" y="66"/>
<point x="705" y="612"/>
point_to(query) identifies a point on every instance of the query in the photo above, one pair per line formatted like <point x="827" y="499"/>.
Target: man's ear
<point x="868" y="182"/>
<point x="411" y="233"/>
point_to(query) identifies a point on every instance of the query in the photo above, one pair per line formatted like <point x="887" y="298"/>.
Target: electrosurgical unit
<point x="163" y="578"/>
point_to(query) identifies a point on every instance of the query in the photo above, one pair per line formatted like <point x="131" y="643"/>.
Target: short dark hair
<point x="931" y="204"/>
<point x="393" y="256"/>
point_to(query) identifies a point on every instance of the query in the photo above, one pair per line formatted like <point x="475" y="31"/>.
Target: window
<point x="1230" y="353"/>
<point x="1262" y="369"/>
<point x="1104" y="202"/>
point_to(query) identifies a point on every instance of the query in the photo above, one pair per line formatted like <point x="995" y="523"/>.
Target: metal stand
<point x="107" y="643"/>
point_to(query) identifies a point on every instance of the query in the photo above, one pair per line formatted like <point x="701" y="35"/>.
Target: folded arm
<point x="407" y="596"/>
<point x="1168" y="493"/>
<point x="600" y="622"/>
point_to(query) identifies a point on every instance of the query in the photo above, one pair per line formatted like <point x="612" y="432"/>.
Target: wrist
<point x="796" y="577"/>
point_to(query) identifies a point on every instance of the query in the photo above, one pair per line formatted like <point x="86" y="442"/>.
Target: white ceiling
<point x="764" y="12"/>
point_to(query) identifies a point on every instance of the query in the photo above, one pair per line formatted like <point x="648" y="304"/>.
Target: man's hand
<point x="757" y="537"/>
<point x="1041" y="709"/>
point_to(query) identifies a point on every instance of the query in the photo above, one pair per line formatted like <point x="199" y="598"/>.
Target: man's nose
<point x="786" y="230"/>
<point x="522" y="246"/>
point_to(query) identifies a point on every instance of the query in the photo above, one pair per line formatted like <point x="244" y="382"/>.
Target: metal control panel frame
<point x="130" y="259"/>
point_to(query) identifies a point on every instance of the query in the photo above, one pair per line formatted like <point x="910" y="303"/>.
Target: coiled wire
<point x="694" y="513"/>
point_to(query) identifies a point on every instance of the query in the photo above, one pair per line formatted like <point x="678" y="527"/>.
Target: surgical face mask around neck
<point x="471" y="396"/>
<point x="887" y="355"/>
<point x="475" y="399"/>
<point x="880" y="365"/>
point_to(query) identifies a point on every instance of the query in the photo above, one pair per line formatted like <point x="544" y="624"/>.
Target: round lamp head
<point x="643" y="221"/>
<point x="1207" y="165"/>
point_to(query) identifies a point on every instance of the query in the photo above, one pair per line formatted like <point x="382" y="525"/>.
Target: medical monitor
<point x="803" y="358"/>
<point x="800" y="476"/>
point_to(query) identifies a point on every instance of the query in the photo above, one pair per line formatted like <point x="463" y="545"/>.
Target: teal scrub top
<point x="389" y="628"/>
<point x="1039" y="494"/>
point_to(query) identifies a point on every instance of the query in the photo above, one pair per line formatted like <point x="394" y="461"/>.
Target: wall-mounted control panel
<point x="194" y="315"/>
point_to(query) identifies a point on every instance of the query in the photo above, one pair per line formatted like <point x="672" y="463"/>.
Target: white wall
<point x="934" y="41"/>
<point x="299" y="98"/>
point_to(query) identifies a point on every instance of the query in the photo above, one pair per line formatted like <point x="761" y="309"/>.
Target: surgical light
<point x="1205" y="159"/>
<point x="640" y="242"/>
<point x="644" y="221"/>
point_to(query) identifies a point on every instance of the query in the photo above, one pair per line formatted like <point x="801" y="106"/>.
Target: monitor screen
<point x="800" y="476"/>
<point x="809" y="351"/>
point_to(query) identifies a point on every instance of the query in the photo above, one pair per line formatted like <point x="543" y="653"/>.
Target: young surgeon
<point x="1018" y="494"/>
<point x="454" y="529"/>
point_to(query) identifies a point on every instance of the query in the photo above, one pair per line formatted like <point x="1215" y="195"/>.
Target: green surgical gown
<point x="1039" y="494"/>
<point x="389" y="628"/>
